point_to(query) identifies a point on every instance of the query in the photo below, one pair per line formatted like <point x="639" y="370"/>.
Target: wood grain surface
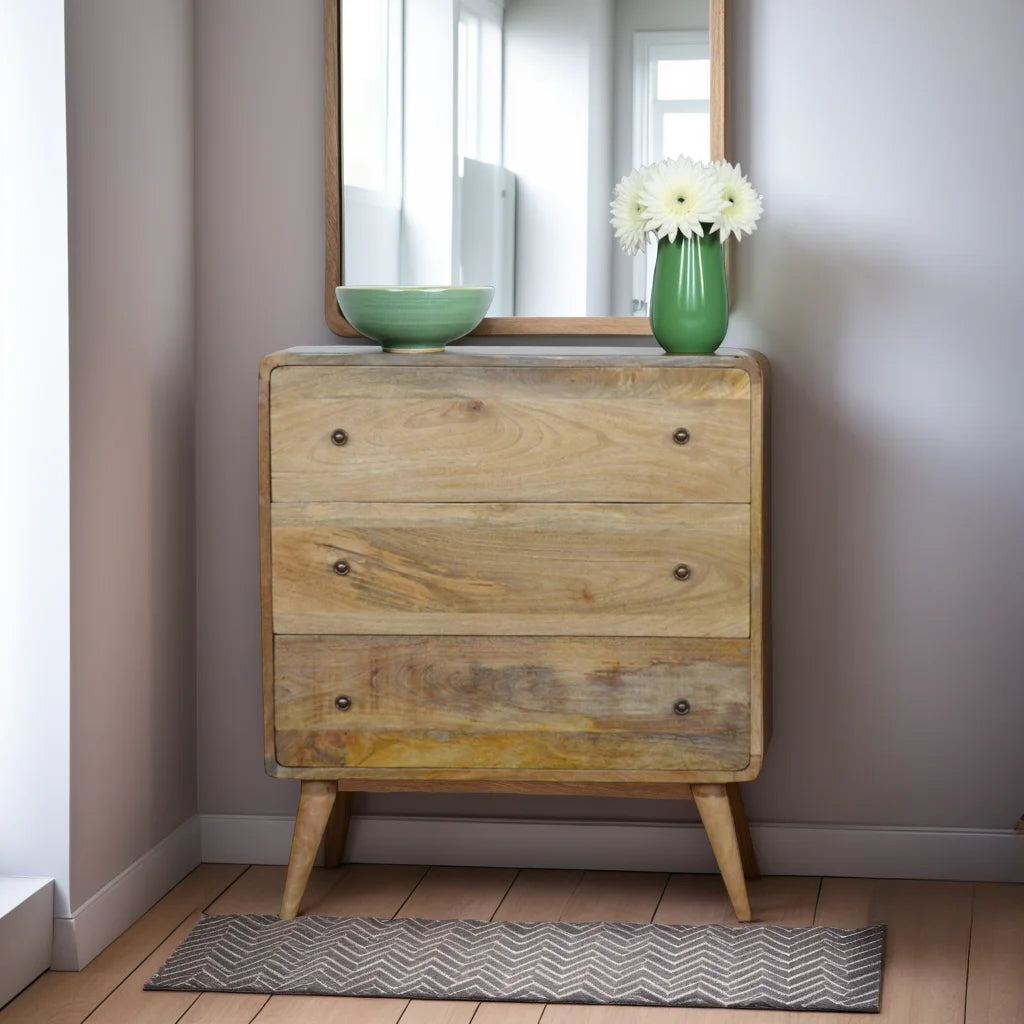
<point x="501" y="433"/>
<point x="944" y="949"/>
<point x="512" y="569"/>
<point x="715" y="811"/>
<point x="638" y="373"/>
<point x="499" y="702"/>
<point x="995" y="988"/>
<point x="316" y="801"/>
<point x="760" y="552"/>
<point x="928" y="934"/>
<point x="519" y="499"/>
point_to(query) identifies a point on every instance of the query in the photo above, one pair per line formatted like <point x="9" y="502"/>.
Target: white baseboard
<point x="122" y="901"/>
<point x="836" y="850"/>
<point x="26" y="932"/>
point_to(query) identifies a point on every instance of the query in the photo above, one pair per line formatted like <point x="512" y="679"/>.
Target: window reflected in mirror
<point x="671" y="117"/>
<point x="482" y="139"/>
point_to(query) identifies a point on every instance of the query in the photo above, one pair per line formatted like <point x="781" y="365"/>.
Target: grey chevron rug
<point x="755" y="966"/>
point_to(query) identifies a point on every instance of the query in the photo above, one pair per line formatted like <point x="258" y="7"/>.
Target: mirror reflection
<point x="482" y="139"/>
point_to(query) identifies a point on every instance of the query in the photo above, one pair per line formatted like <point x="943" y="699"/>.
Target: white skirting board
<point x="122" y="901"/>
<point x="837" y="850"/>
<point x="26" y="932"/>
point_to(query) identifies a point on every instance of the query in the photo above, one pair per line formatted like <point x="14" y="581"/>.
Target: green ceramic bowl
<point x="414" y="319"/>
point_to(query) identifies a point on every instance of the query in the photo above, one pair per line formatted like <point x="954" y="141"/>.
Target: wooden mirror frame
<point x="510" y="325"/>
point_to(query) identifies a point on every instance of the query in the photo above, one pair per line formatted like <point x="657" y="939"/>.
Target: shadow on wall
<point x="893" y="582"/>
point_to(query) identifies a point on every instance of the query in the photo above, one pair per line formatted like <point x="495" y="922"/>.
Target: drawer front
<point x="543" y="570"/>
<point x="564" y="433"/>
<point x="512" y="703"/>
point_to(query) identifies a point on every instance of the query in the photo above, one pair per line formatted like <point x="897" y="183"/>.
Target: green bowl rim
<point x="414" y="288"/>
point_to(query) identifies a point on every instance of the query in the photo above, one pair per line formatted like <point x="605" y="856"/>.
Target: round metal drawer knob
<point x="341" y="567"/>
<point x="343" y="703"/>
<point x="681" y="572"/>
<point x="681" y="436"/>
<point x="681" y="707"/>
<point x="339" y="437"/>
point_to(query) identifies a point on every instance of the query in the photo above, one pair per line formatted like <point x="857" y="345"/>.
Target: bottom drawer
<point x="577" y="703"/>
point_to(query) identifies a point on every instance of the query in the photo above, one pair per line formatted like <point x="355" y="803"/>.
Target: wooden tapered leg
<point x="316" y="800"/>
<point x="739" y="817"/>
<point x="337" y="830"/>
<point x="715" y="812"/>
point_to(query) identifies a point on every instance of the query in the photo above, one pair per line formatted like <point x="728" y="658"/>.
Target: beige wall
<point x="883" y="289"/>
<point x="132" y="355"/>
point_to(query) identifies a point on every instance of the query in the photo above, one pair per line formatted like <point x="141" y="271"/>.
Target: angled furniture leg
<point x="316" y="800"/>
<point x="739" y="816"/>
<point x="715" y="812"/>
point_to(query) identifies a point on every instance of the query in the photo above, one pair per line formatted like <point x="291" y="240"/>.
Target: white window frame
<point x="396" y="97"/>
<point x="648" y="49"/>
<point x="394" y="103"/>
<point x="492" y="11"/>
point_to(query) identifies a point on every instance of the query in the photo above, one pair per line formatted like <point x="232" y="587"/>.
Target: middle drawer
<point x="511" y="569"/>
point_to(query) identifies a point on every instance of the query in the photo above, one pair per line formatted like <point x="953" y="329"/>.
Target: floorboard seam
<point x="970" y="944"/>
<point x="817" y="901"/>
<point x="220" y="892"/>
<point x="575" y="889"/>
<point x="140" y="963"/>
<point x="661" y="896"/>
<point x="504" y="895"/>
<point x="201" y="908"/>
<point x="419" y="882"/>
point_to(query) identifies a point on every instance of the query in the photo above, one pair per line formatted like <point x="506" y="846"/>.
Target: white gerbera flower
<point x="742" y="204"/>
<point x="629" y="216"/>
<point x="680" y="195"/>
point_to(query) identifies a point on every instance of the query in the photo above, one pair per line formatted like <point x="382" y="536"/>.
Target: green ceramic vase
<point x="689" y="296"/>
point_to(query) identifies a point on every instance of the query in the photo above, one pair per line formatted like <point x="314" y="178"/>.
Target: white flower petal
<point x="629" y="217"/>
<point x="742" y="205"/>
<point x="681" y="195"/>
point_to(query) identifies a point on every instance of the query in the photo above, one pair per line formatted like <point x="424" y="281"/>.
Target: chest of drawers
<point x="535" y="574"/>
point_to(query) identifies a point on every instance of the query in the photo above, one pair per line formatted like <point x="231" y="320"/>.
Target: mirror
<point x="479" y="142"/>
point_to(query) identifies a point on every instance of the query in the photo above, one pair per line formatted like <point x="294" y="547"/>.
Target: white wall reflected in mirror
<point x="481" y="141"/>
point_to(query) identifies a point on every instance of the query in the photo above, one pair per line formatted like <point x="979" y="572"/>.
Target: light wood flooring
<point x="955" y="950"/>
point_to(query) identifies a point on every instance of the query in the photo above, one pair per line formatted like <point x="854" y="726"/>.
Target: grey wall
<point x="882" y="284"/>
<point x="260" y="267"/>
<point x="132" y="361"/>
<point x="894" y="328"/>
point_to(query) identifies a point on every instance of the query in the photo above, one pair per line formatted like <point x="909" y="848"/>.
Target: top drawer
<point x="536" y="434"/>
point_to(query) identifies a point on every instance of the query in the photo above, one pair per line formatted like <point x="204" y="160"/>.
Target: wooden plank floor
<point x="955" y="950"/>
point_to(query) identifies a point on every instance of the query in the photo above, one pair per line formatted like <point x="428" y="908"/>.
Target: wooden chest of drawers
<point x="514" y="573"/>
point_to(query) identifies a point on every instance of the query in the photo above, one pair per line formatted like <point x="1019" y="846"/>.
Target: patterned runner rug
<point x="755" y="966"/>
